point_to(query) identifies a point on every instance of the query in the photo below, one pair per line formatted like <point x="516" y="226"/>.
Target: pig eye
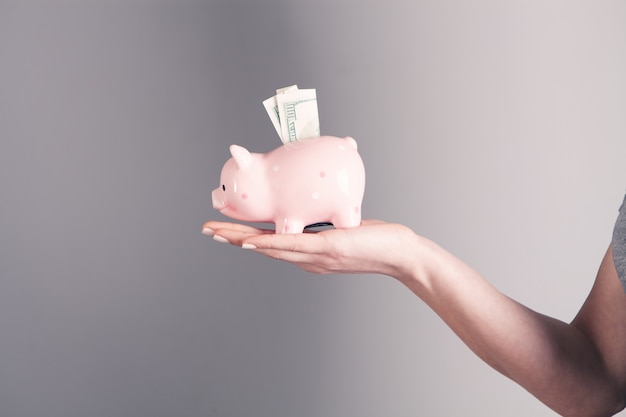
<point x="223" y="187"/>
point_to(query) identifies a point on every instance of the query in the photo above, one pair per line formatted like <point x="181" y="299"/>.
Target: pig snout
<point x="218" y="199"/>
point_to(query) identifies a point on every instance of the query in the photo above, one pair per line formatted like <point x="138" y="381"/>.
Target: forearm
<point x="553" y="360"/>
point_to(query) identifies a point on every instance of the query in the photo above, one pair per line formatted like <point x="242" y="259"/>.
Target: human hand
<point x="373" y="247"/>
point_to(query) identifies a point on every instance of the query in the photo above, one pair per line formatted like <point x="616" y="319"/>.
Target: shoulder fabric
<point x="619" y="244"/>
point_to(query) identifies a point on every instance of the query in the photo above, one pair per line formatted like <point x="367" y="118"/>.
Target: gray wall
<point x="495" y="128"/>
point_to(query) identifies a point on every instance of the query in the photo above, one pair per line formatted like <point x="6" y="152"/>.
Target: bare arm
<point x="577" y="369"/>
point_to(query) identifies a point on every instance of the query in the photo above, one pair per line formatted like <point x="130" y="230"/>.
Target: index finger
<point x="212" y="225"/>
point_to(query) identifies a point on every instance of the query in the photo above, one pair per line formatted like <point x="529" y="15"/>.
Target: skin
<point x="576" y="369"/>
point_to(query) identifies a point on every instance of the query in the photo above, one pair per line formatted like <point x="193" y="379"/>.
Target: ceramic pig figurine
<point x="300" y="183"/>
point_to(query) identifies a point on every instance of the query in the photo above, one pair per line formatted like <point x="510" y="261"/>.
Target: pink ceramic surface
<point x="301" y="183"/>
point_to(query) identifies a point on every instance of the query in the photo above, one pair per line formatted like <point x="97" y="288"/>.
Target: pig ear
<point x="241" y="155"/>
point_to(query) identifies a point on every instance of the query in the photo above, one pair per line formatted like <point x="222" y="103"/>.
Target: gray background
<point x="495" y="128"/>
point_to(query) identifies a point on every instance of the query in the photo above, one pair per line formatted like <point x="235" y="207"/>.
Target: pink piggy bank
<point x="300" y="183"/>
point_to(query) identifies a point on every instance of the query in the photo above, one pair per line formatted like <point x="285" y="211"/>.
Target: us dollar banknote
<point x="293" y="113"/>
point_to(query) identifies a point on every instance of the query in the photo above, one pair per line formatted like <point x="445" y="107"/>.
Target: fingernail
<point x="248" y="246"/>
<point x="220" y="239"/>
<point x="208" y="231"/>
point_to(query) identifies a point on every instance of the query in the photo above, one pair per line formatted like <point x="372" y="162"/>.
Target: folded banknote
<point x="293" y="113"/>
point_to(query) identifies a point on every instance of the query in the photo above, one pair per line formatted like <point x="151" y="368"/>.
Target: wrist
<point x="414" y="266"/>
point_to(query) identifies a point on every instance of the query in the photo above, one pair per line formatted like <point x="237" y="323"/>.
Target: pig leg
<point x="349" y="217"/>
<point x="286" y="225"/>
